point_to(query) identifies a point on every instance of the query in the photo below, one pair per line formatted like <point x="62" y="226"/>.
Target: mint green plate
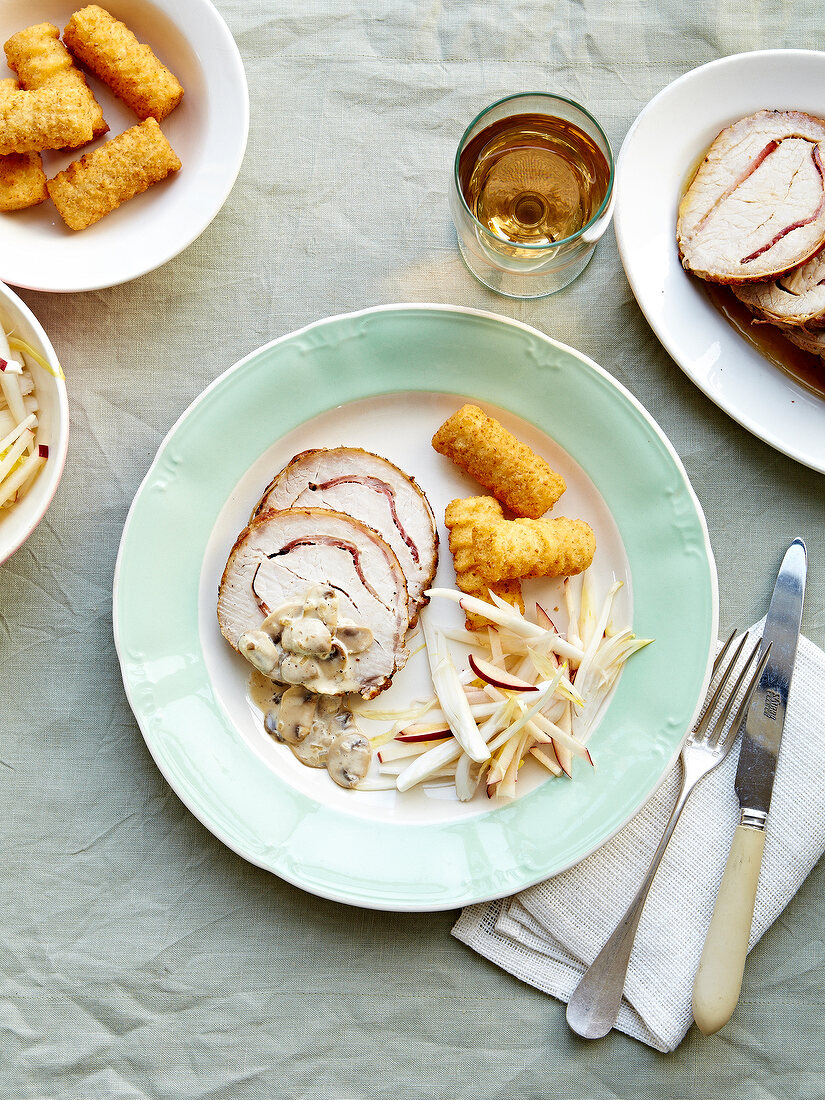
<point x="384" y="379"/>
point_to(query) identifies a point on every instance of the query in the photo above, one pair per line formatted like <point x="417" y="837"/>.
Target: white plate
<point x="384" y="379"/>
<point x="659" y="154"/>
<point x="208" y="132"/>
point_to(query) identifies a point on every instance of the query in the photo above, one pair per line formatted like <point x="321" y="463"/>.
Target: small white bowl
<point x="18" y="522"/>
<point x="208" y="131"/>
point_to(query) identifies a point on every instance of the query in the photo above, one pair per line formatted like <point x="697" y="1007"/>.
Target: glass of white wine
<point x="532" y="193"/>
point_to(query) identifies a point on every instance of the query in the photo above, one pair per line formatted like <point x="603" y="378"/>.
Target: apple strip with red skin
<point x="405" y="750"/>
<point x="559" y="645"/>
<point x="552" y="710"/>
<point x="430" y="733"/>
<point x="23" y="474"/>
<point x="547" y="756"/>
<point x="10" y="371"/>
<point x="499" y="678"/>
<point x="430" y="762"/>
<point x="561" y="738"/>
<point x="563" y="754"/>
<point x="494" y="676"/>
<point x="543" y="619"/>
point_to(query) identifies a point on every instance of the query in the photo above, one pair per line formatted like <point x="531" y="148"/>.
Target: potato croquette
<point x="101" y="180"/>
<point x="22" y="181"/>
<point x="515" y="475"/>
<point x="533" y="547"/>
<point x="461" y="517"/>
<point x="7" y="85"/>
<point x="129" y="68"/>
<point x="39" y="58"/>
<point x="51" y="117"/>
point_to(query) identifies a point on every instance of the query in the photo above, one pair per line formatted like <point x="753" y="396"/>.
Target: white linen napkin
<point x="549" y="933"/>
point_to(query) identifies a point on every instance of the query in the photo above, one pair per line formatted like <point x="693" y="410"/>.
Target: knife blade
<point x="719" y="977"/>
<point x="765" y="719"/>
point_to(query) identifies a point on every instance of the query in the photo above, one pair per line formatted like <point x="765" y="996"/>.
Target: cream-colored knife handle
<point x="719" y="977"/>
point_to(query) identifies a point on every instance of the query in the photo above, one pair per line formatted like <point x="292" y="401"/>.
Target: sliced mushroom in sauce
<point x="349" y="758"/>
<point x="307" y="645"/>
<point x="307" y="642"/>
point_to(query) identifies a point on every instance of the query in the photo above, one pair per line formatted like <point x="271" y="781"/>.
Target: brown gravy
<point x="806" y="369"/>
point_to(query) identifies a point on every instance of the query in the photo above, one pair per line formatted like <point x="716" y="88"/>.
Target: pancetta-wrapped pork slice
<point x="282" y="555"/>
<point x="756" y="207"/>
<point x="795" y="298"/>
<point x="371" y="488"/>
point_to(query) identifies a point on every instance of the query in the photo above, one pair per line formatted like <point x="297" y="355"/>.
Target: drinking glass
<point x="559" y="173"/>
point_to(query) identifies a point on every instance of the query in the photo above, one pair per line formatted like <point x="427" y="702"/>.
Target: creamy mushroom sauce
<point x="306" y="646"/>
<point x="306" y="641"/>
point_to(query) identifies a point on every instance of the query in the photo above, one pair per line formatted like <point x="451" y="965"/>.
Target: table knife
<point x="719" y="977"/>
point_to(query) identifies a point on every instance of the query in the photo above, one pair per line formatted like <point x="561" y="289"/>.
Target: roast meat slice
<point x="756" y="207"/>
<point x="810" y="340"/>
<point x="281" y="554"/>
<point x="796" y="298"/>
<point x="364" y="485"/>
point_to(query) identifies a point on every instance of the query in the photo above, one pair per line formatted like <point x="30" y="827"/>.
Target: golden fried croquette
<point x="51" y="117"/>
<point x="7" y="86"/>
<point x="22" y="181"/>
<point x="128" y="67"/>
<point x="461" y="517"/>
<point x="515" y="475"/>
<point x="39" y="58"/>
<point x="101" y="180"/>
<point x="533" y="547"/>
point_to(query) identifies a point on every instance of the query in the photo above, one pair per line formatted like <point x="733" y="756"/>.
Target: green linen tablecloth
<point x="141" y="958"/>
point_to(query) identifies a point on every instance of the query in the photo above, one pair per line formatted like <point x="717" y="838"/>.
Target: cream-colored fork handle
<point x="719" y="977"/>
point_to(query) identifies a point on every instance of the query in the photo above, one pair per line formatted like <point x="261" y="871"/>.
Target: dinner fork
<point x="594" y="1005"/>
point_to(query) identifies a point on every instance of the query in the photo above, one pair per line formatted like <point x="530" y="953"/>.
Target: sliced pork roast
<point x="756" y="207"/>
<point x="283" y="555"/>
<point x="796" y="298"/>
<point x="364" y="485"/>
<point x="810" y="340"/>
